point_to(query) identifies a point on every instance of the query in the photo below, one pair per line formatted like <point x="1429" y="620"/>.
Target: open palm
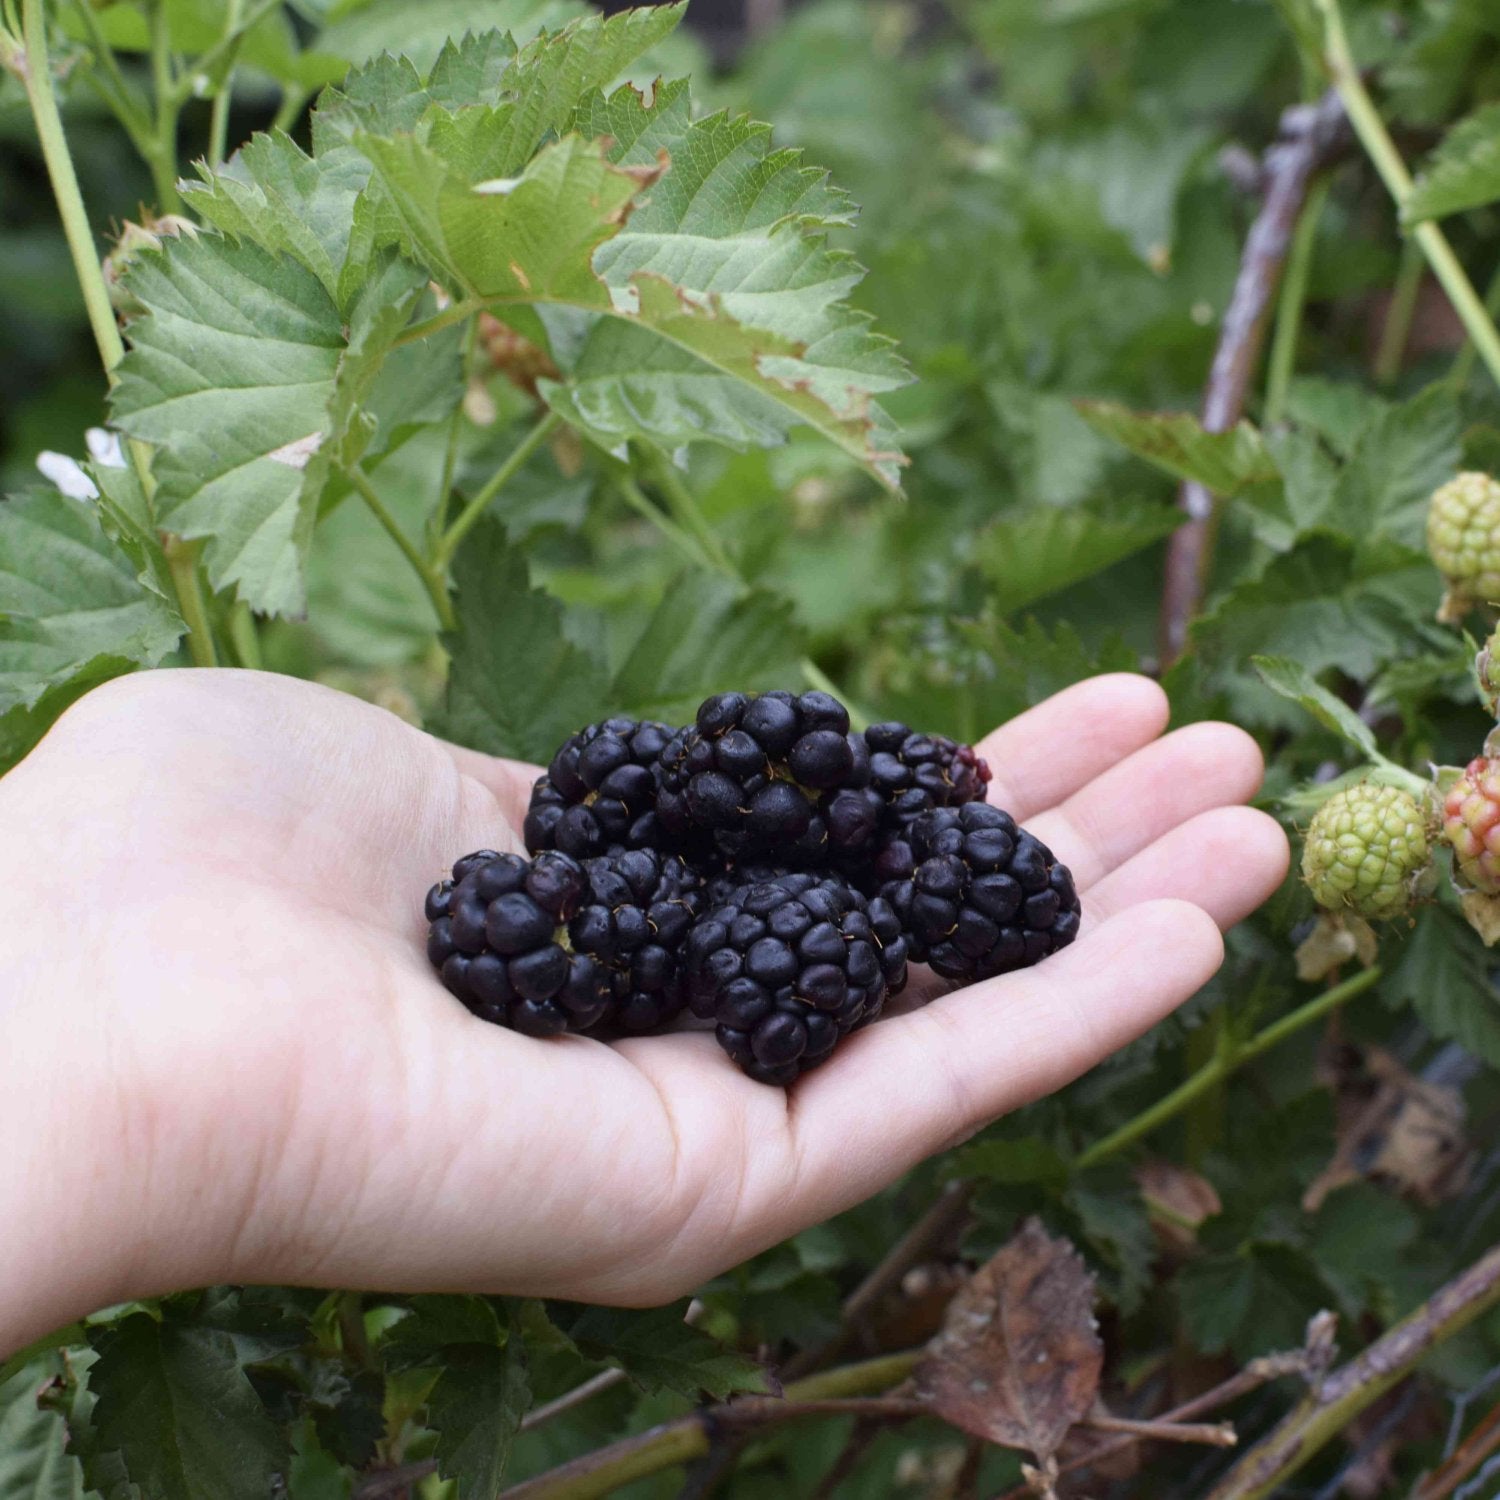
<point x="284" y="1092"/>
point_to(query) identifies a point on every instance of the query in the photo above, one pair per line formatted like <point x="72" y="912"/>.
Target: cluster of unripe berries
<point x="1370" y="849"/>
<point x="765" y="868"/>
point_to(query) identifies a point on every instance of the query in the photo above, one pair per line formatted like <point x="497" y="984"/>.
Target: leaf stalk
<point x="1230" y="1056"/>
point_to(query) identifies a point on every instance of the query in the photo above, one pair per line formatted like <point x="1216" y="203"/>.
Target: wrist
<point x="65" y="1244"/>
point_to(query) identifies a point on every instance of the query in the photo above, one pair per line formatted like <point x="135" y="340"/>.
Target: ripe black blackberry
<point x="770" y="774"/>
<point x="788" y="966"/>
<point x="914" y="773"/>
<point x="551" y="944"/>
<point x="599" y="790"/>
<point x="983" y="896"/>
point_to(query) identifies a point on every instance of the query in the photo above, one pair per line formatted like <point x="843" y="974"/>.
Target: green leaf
<point x="252" y="384"/>
<point x="1443" y="972"/>
<point x="1118" y="1229"/>
<point x="72" y="611"/>
<point x="1223" y="462"/>
<point x="1359" y="1239"/>
<point x="420" y="29"/>
<point x="437" y="1322"/>
<point x="1025" y="1160"/>
<point x="476" y="1408"/>
<point x="517" y="686"/>
<point x="1462" y="172"/>
<point x="756" y="312"/>
<point x="195" y="26"/>
<point x="1325" y="604"/>
<point x="735" y="225"/>
<point x="1044" y="550"/>
<point x="172" y="1401"/>
<point x="229" y="377"/>
<point x="705" y="633"/>
<point x="1399" y="457"/>
<point x="1292" y="680"/>
<point x="272" y="194"/>
<point x="1250" y="1302"/>
<point x="34" y="1461"/>
<point x="658" y="1350"/>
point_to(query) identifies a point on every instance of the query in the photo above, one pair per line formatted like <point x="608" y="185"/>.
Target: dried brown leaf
<point x="1018" y="1360"/>
<point x="1396" y="1130"/>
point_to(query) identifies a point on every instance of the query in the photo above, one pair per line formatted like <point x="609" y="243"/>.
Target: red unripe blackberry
<point x="1471" y="825"/>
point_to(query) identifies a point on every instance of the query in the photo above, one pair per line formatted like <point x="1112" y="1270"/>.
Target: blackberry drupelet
<point x="599" y="791"/>
<point x="770" y="774"/>
<point x="634" y="921"/>
<point x="914" y="773"/>
<point x="789" y="966"/>
<point x="983" y="897"/>
<point x="551" y="944"/>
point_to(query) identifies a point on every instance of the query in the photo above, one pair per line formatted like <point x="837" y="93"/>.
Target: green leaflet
<point x="173" y="1406"/>
<point x="1463" y="171"/>
<point x="71" y="607"/>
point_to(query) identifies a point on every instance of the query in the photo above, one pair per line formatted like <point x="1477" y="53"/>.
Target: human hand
<point x="228" y="1059"/>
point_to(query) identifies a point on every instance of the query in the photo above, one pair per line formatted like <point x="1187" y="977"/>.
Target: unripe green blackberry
<point x="1366" y="851"/>
<point x="1471" y="826"/>
<point x="1463" y="536"/>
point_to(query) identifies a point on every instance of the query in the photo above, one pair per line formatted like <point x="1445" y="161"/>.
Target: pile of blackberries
<point x="764" y="868"/>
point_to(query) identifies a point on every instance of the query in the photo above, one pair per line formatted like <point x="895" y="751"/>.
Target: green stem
<point x="113" y="87"/>
<point x="218" y="124"/>
<point x="75" y="219"/>
<point x="432" y="578"/>
<point x="1398" y="319"/>
<point x="477" y="506"/>
<point x="1229" y="1058"/>
<point x="690" y="515"/>
<point x="163" y="158"/>
<point x="687" y="1438"/>
<point x="182" y="563"/>
<point x="1463" y="361"/>
<point x="455" y="312"/>
<point x="222" y="51"/>
<point x="1381" y="149"/>
<point x="438" y="521"/>
<point x="1293" y="301"/>
<point x="632" y="494"/>
<point x="293" y="99"/>
<point x="244" y="637"/>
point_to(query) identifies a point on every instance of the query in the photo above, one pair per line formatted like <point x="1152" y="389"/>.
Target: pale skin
<point x="226" y="1058"/>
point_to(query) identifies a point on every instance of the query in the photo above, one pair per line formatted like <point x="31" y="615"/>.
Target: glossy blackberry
<point x="789" y="966"/>
<point x="914" y="773"/>
<point x="635" y="919"/>
<point x="983" y="897"/>
<point x="551" y="944"/>
<point x="770" y="774"/>
<point x="599" y="790"/>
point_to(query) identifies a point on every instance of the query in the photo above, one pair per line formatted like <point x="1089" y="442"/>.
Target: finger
<point x="1050" y="751"/>
<point x="1133" y="804"/>
<point x="985" y="1050"/>
<point x="1227" y="861"/>
<point x="509" y="782"/>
